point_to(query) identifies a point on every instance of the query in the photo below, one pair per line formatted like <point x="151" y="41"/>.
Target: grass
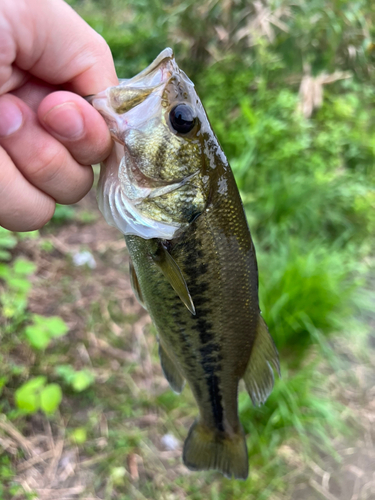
<point x="305" y="288"/>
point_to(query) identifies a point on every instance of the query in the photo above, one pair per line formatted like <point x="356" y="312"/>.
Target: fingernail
<point x="65" y="120"/>
<point x="10" y="117"/>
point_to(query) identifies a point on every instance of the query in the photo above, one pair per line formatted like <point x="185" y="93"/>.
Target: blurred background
<point x="289" y="87"/>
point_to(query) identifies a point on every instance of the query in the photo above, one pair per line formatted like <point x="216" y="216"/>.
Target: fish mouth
<point x="160" y="63"/>
<point x="114" y="102"/>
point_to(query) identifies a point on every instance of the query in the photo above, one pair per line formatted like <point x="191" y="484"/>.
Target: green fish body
<point x="169" y="188"/>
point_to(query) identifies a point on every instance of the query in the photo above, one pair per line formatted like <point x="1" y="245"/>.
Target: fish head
<point x="149" y="185"/>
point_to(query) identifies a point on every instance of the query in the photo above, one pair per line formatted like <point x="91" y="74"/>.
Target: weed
<point x="36" y="394"/>
<point x="42" y="330"/>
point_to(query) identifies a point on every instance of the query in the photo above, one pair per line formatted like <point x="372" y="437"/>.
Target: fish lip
<point x="164" y="57"/>
<point x="89" y="98"/>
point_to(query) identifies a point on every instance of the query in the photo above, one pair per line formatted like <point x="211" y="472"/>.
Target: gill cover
<point x="119" y="209"/>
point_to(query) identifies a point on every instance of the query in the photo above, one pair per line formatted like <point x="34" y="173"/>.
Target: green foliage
<point x="304" y="288"/>
<point x="42" y="330"/>
<point x="79" y="435"/>
<point x="7" y="473"/>
<point x="36" y="394"/>
<point x="295" y="404"/>
<point x="13" y="299"/>
<point x="7" y="242"/>
<point x="63" y="213"/>
<point x="78" y="380"/>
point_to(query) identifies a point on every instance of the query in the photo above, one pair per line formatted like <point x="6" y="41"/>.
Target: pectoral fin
<point x="173" y="273"/>
<point x="259" y="378"/>
<point x="135" y="284"/>
<point x="170" y="370"/>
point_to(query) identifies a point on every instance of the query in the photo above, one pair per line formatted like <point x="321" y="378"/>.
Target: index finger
<point x="48" y="39"/>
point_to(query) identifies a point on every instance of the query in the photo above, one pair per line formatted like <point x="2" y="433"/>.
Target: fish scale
<point x="170" y="190"/>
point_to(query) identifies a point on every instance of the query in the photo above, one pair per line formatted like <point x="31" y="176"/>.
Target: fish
<point x="168" y="187"/>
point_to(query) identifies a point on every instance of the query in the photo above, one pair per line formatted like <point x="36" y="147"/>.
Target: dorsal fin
<point x="172" y="272"/>
<point x="263" y="361"/>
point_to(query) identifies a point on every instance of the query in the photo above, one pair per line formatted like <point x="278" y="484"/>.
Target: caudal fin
<point x="207" y="448"/>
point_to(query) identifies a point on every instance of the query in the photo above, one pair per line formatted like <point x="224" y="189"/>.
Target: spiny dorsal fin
<point x="173" y="273"/>
<point x="263" y="360"/>
<point x="135" y="284"/>
<point x="170" y="370"/>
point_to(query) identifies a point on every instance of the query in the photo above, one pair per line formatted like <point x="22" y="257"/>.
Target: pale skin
<point x="49" y="135"/>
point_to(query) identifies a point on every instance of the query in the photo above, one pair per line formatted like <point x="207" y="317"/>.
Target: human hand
<point x="49" y="135"/>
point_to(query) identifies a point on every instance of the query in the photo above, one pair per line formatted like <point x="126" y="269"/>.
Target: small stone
<point x="84" y="258"/>
<point x="169" y="442"/>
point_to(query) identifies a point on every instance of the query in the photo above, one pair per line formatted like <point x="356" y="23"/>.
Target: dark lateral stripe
<point x="210" y="353"/>
<point x="209" y="350"/>
<point x="211" y="357"/>
<point x="203" y="327"/>
<point x="216" y="401"/>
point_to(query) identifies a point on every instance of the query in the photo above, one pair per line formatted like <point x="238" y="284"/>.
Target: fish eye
<point x="182" y="118"/>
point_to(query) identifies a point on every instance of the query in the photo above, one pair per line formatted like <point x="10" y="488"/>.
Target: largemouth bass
<point x="168" y="187"/>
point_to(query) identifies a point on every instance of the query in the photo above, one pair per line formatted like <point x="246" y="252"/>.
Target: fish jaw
<point x="116" y="103"/>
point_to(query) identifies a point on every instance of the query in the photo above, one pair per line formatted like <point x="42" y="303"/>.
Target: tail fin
<point x="207" y="448"/>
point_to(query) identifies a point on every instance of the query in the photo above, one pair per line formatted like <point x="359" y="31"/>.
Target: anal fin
<point x="172" y="272"/>
<point x="170" y="370"/>
<point x="264" y="359"/>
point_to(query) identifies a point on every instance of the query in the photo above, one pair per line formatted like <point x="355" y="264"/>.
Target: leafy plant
<point x="79" y="380"/>
<point x="79" y="435"/>
<point x="304" y="287"/>
<point x="13" y="299"/>
<point x="7" y="242"/>
<point x="36" y="394"/>
<point x="63" y="213"/>
<point x="42" y="330"/>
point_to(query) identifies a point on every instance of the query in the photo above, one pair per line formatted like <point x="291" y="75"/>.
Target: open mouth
<point x="132" y="92"/>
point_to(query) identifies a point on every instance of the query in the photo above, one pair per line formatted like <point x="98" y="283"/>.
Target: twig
<point x="321" y="490"/>
<point x="16" y="435"/>
<point x="35" y="460"/>
<point x="60" y="246"/>
<point x="61" y="493"/>
<point x="102" y="345"/>
<point x="91" y="461"/>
